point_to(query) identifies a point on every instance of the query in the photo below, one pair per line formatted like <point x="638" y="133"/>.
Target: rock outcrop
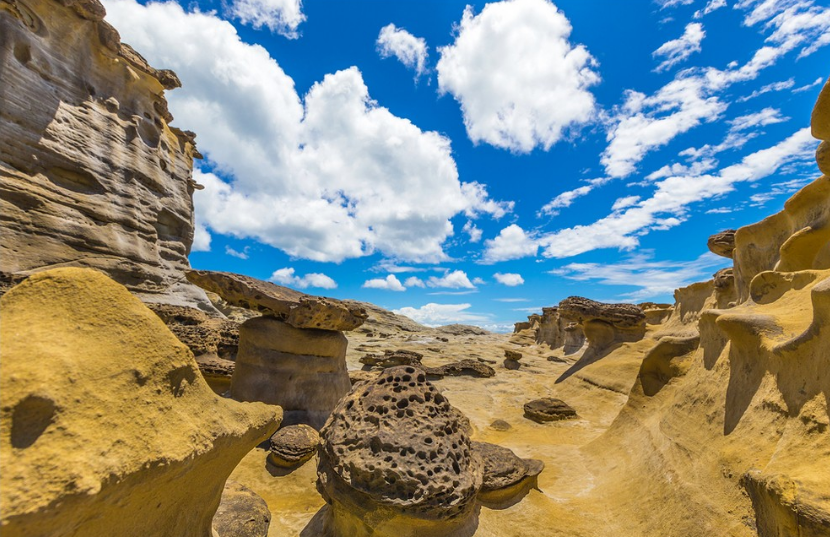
<point x="91" y="173"/>
<point x="294" y="308"/>
<point x="107" y="426"/>
<point x="396" y="460"/>
<point x="722" y="243"/>
<point x="303" y="371"/>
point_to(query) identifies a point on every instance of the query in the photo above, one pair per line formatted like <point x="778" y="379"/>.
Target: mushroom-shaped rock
<point x="723" y="243"/>
<point x="548" y="409"/>
<point x="505" y="474"/>
<point x="293" y="446"/>
<point x="242" y="513"/>
<point x="466" y="367"/>
<point x="392" y="358"/>
<point x="108" y="427"/>
<point x="396" y="459"/>
<point x="295" y="308"/>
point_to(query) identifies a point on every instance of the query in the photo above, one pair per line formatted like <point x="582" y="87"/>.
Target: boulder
<point x="466" y="367"/>
<point x="293" y="446"/>
<point x="548" y="409"/>
<point x="396" y="459"/>
<point x="242" y="513"/>
<point x="392" y="358"/>
<point x="505" y="475"/>
<point x="297" y="309"/>
<point x="91" y="172"/>
<point x="512" y="355"/>
<point x="108" y="427"/>
<point x="500" y="425"/>
<point x="303" y="371"/>
<point x="722" y="243"/>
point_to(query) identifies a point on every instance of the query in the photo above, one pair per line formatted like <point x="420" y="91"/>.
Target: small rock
<point x="500" y="425"/>
<point x="292" y="446"/>
<point x="548" y="409"/>
<point x="558" y="359"/>
<point x="502" y="468"/>
<point x="512" y="364"/>
<point x="241" y="513"/>
<point x="512" y="355"/>
<point x="468" y="367"/>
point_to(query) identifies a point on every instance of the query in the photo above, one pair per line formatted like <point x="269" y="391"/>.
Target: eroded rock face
<point x="397" y="456"/>
<point x="722" y="243"/>
<point x="292" y="446"/>
<point x="295" y="308"/>
<point x="303" y="371"/>
<point x="619" y="315"/>
<point x="108" y="427"/>
<point x="91" y="173"/>
<point x="205" y="336"/>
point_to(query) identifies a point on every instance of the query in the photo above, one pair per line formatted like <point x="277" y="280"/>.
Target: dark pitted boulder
<point x="392" y="358"/>
<point x="512" y="355"/>
<point x="466" y="367"/>
<point x="293" y="446"/>
<point x="397" y="455"/>
<point x="294" y="308"/>
<point x="505" y="474"/>
<point x="722" y="243"/>
<point x="242" y="513"/>
<point x="548" y="409"/>
<point x="620" y="315"/>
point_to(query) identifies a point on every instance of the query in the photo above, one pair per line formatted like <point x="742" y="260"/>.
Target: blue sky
<point x="473" y="162"/>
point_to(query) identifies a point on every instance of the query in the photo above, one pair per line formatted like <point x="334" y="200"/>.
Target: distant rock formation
<point x="109" y="429"/>
<point x="396" y="460"/>
<point x="294" y="355"/>
<point x="91" y="173"/>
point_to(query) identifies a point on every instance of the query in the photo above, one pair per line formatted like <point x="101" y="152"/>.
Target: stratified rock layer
<point x="91" y="173"/>
<point x="107" y="426"/>
<point x="303" y="371"/>
<point x="397" y="456"/>
<point x="295" y="308"/>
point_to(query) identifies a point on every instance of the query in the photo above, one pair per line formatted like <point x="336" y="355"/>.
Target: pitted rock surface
<point x="293" y="445"/>
<point x="502" y="468"/>
<point x="620" y="315"/>
<point x="548" y="409"/>
<point x="206" y="336"/>
<point x="397" y="442"/>
<point x="392" y="358"/>
<point x="722" y="243"/>
<point x="295" y="308"/>
<point x="512" y="355"/>
<point x="466" y="367"/>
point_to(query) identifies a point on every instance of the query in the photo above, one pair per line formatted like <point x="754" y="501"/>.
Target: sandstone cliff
<point x="91" y="173"/>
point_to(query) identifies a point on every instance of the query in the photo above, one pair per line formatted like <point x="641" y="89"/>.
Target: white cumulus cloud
<point x="509" y="279"/>
<point x="281" y="16"/>
<point x="512" y="242"/>
<point x="518" y="79"/>
<point x="456" y="279"/>
<point x="433" y="314"/>
<point x="408" y="49"/>
<point x="329" y="177"/>
<point x="286" y="276"/>
<point x="390" y="283"/>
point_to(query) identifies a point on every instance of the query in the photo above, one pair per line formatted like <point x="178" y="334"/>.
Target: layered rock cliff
<point x="91" y="173"/>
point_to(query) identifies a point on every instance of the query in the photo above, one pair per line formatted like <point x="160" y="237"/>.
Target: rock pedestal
<point x="302" y="370"/>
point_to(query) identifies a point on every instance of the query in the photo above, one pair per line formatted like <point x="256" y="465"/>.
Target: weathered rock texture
<point x="722" y="243"/>
<point x="293" y="445"/>
<point x="396" y="459"/>
<point x="91" y="173"/>
<point x="548" y="409"/>
<point x="392" y="358"/>
<point x="303" y="371"/>
<point x="242" y="513"/>
<point x="506" y="476"/>
<point x="466" y="367"/>
<point x="107" y="426"/>
<point x="296" y="309"/>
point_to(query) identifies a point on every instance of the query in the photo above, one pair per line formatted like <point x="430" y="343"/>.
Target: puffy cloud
<point x="286" y="276"/>
<point x="512" y="242"/>
<point x="201" y="238"/>
<point x="473" y="231"/>
<point x="518" y="79"/>
<point x="652" y="278"/>
<point x="433" y="314"/>
<point x="330" y="177"/>
<point x="281" y="16"/>
<point x="456" y="279"/>
<point x="390" y="283"/>
<point x="509" y="279"/>
<point x="408" y="49"/>
<point x="413" y="281"/>
<point x="677" y="50"/>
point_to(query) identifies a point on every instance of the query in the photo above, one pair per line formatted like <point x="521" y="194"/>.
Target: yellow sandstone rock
<point x="107" y="426"/>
